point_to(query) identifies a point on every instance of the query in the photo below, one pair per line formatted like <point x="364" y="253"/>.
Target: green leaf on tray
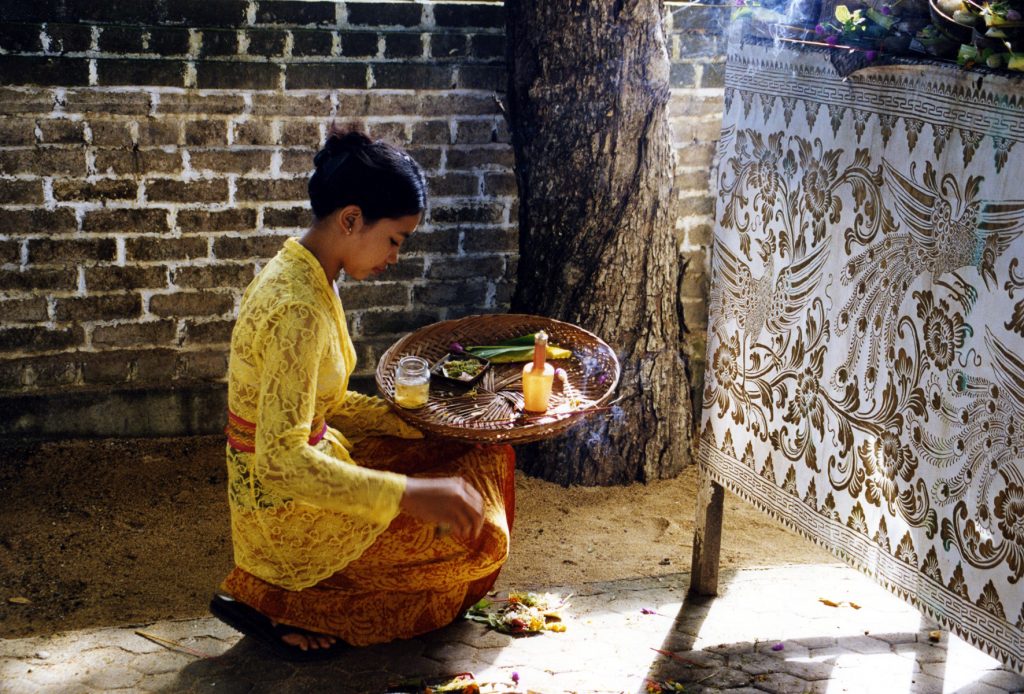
<point x="516" y="349"/>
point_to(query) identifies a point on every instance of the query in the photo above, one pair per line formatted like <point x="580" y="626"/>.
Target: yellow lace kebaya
<point x="301" y="508"/>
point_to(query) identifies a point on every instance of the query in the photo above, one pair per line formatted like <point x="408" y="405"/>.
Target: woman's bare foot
<point x="307" y="642"/>
<point x="289" y="642"/>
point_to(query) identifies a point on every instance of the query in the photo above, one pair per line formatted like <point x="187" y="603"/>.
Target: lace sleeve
<point x="365" y="415"/>
<point x="296" y="340"/>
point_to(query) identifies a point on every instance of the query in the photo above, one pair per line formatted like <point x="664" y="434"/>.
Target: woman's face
<point x="376" y="245"/>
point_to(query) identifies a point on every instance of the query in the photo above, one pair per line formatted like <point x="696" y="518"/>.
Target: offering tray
<point x="491" y="411"/>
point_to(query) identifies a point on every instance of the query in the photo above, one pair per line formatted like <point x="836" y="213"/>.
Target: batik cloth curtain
<point x="865" y="374"/>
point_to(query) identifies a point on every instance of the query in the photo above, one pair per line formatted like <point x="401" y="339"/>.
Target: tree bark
<point x="588" y="95"/>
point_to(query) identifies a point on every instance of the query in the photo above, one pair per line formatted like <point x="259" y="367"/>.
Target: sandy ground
<point x="113" y="532"/>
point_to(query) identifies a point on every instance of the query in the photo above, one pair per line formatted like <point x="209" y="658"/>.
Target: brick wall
<point x="154" y="155"/>
<point x="697" y="41"/>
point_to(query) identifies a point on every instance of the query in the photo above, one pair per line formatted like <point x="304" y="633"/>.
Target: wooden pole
<point x="707" y="535"/>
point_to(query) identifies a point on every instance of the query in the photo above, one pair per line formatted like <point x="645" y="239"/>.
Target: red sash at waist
<point x="242" y="433"/>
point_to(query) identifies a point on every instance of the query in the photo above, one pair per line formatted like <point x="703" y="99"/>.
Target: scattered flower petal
<point x="871" y="55"/>
<point x="778" y="646"/>
<point x="515" y="677"/>
<point x="831" y="40"/>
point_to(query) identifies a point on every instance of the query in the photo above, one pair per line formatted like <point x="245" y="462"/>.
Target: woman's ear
<point x="351" y="219"/>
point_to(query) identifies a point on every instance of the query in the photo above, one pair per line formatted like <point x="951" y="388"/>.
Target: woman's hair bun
<point x="381" y="179"/>
<point x="341" y="142"/>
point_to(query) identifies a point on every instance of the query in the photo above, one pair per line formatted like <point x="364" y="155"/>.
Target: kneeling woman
<point x="335" y="501"/>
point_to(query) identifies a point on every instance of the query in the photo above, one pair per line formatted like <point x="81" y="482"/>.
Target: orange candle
<point x="538" y="376"/>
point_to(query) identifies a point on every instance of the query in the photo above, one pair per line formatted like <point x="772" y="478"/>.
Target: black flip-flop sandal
<point x="254" y="623"/>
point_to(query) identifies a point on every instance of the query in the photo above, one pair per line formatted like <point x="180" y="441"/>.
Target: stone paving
<point x="767" y="632"/>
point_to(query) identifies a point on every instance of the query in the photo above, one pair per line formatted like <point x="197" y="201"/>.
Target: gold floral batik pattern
<point x="865" y="376"/>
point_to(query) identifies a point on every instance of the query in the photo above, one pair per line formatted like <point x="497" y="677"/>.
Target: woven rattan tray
<point x="492" y="411"/>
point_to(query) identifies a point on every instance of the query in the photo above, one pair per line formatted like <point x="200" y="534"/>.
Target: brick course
<point x="83" y="309"/>
<point x="128" y="334"/>
<point x="24" y="222"/>
<point x="81" y="190"/>
<point x="61" y="251"/>
<point x="153" y="156"/>
<point x="119" y="278"/>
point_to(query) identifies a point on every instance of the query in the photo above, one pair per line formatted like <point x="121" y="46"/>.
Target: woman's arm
<point x="366" y="415"/>
<point x="294" y="339"/>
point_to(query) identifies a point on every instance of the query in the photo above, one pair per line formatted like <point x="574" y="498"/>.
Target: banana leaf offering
<point x="515" y="349"/>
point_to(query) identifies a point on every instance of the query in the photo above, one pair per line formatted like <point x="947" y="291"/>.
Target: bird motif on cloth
<point x="988" y="450"/>
<point x="763" y="302"/>
<point x="944" y="230"/>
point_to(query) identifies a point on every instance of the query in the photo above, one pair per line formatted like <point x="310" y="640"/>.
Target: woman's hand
<point x="448" y="501"/>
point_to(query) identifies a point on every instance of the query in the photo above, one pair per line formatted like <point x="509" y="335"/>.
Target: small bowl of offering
<point x="462" y="369"/>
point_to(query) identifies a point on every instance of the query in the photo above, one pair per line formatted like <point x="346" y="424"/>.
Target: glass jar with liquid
<point x="412" y="382"/>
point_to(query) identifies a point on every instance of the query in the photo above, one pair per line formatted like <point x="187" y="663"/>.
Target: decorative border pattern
<point x="929" y="596"/>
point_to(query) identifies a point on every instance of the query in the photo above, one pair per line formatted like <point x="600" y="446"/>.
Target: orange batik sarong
<point x="412" y="579"/>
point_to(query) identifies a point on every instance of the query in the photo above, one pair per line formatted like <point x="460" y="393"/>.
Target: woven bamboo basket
<point x="492" y="410"/>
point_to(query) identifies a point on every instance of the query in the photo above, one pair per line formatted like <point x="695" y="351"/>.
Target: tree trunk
<point x="588" y="95"/>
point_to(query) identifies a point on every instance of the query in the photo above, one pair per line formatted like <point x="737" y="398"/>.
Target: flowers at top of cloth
<point x="882" y="28"/>
<point x="847" y="23"/>
<point x="944" y="331"/>
<point x="990" y="32"/>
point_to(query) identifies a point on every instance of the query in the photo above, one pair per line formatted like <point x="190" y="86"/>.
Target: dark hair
<point x="381" y="179"/>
